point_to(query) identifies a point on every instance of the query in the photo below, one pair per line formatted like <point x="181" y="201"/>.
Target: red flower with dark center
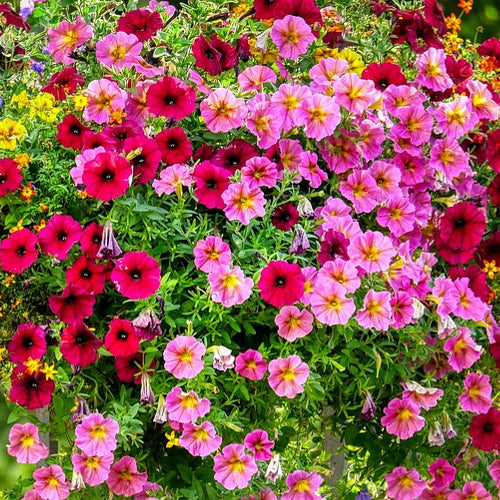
<point x="64" y="83"/>
<point x="79" y="344"/>
<point x="10" y="176"/>
<point x="70" y="132"/>
<point x="59" y="235"/>
<point x="118" y="134"/>
<point x="92" y="140"/>
<point x="171" y="98"/>
<point x="27" y="342"/>
<point x="477" y="280"/>
<point x="462" y="226"/>
<point x="234" y="156"/>
<point x="494" y="191"/>
<point x="493" y="150"/>
<point x="74" y="304"/>
<point x="136" y="275"/>
<point x="174" y="145"/>
<point x="107" y="176"/>
<point x="306" y="9"/>
<point x="227" y="52"/>
<point x="489" y="249"/>
<point x="121" y="339"/>
<point x="90" y="240"/>
<point x="410" y="26"/>
<point x="490" y="48"/>
<point x="485" y="430"/>
<point x="32" y="390"/>
<point x="274" y="154"/>
<point x="285" y="217"/>
<point x="384" y="74"/>
<point x="452" y="255"/>
<point x="433" y="14"/>
<point x="214" y="56"/>
<point x="129" y="368"/>
<point x="211" y="182"/>
<point x="18" y="251"/>
<point x="333" y="245"/>
<point x="142" y="23"/>
<point x="145" y="157"/>
<point x="87" y="274"/>
<point x="281" y="283"/>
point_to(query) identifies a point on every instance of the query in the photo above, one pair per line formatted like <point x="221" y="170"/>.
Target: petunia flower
<point x="287" y="376"/>
<point x="281" y="283"/>
<point x="250" y="364"/>
<point x="404" y="484"/>
<point x="243" y="202"/>
<point x="96" y="435"/>
<point x="24" y="444"/>
<point x="93" y="468"/>
<point x="229" y="286"/>
<point x="50" y="483"/>
<point x="200" y="440"/>
<point x="302" y="485"/>
<point x="183" y="355"/>
<point x="402" y="418"/>
<point x="477" y="395"/>
<point x="211" y="253"/>
<point x="233" y="467"/>
<point x="292" y="35"/>
<point x="124" y="479"/>
<point x="64" y="39"/>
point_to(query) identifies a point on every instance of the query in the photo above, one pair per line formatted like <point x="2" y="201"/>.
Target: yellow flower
<point x="23" y="160"/>
<point x="172" y="440"/>
<point x="10" y="132"/>
<point x="9" y="280"/>
<point x="17" y="227"/>
<point x="3" y="350"/>
<point x="466" y="5"/>
<point x="42" y="106"/>
<point x="356" y="64"/>
<point x="43" y="206"/>
<point x="27" y="192"/>
<point x="80" y="101"/>
<point x="39" y="227"/>
<point x="453" y="23"/>
<point x="452" y="42"/>
<point x="49" y="371"/>
<point x="116" y="115"/>
<point x="21" y="99"/>
<point x="490" y="268"/>
<point x="32" y="365"/>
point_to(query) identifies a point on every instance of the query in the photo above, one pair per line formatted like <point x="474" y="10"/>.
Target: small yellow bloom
<point x="10" y="132"/>
<point x="49" y="371"/>
<point x="32" y="365"/>
<point x="27" y="192"/>
<point x="23" y="160"/>
<point x="465" y="5"/>
<point x="43" y="107"/>
<point x="453" y="23"/>
<point x="39" y="227"/>
<point x="21" y="99"/>
<point x="490" y="268"/>
<point x="17" y="227"/>
<point x="9" y="280"/>
<point x="80" y="101"/>
<point x="3" y="350"/>
<point x="43" y="206"/>
<point x="117" y="115"/>
<point x="356" y="64"/>
<point x="172" y="440"/>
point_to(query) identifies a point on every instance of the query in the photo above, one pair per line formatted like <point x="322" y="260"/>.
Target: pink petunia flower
<point x="288" y="100"/>
<point x="325" y="73"/>
<point x="118" y="50"/>
<point x="183" y="355"/>
<point x="372" y="251"/>
<point x="257" y="442"/>
<point x="286" y="376"/>
<point x="415" y="125"/>
<point x="376" y="312"/>
<point x="320" y="116"/>
<point x="423" y="397"/>
<point x="264" y="121"/>
<point x="472" y="490"/>
<point x="185" y="407"/>
<point x="251" y="365"/>
<point x="342" y="272"/>
<point x="463" y="350"/>
<point x="93" y="468"/>
<point x="211" y="253"/>
<point x="360" y="188"/>
<point x="233" y="467"/>
<point x="229" y="286"/>
<point x="481" y="100"/>
<point x="309" y="170"/>
<point x="442" y="472"/>
<point x="260" y="172"/>
<point x="25" y="445"/>
<point x="66" y="38"/>
<point x="222" y="111"/>
<point x="243" y="202"/>
<point x="432" y="70"/>
<point x="96" y="435"/>
<point x="455" y="118"/>
<point x="402" y="418"/>
<point x="124" y="479"/>
<point x="330" y="305"/>
<point x="292" y="35"/>
<point x="200" y="440"/>
<point x="172" y="179"/>
<point x="448" y="157"/>
<point x="302" y="486"/>
<point x="103" y="97"/>
<point x="403" y="484"/>
<point x="477" y="395"/>
<point x="50" y="483"/>
<point x="355" y="94"/>
<point x="293" y="323"/>
<point x="253" y="77"/>
<point x="398" y="215"/>
<point x="469" y="306"/>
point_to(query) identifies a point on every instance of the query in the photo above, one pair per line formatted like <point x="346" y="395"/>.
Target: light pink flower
<point x="103" y="96"/>
<point x="423" y="397"/>
<point x="211" y="253"/>
<point x="372" y="251"/>
<point x="201" y="84"/>
<point x="309" y="170"/>
<point x="477" y="395"/>
<point x="469" y="306"/>
<point x="185" y="407"/>
<point x="233" y="467"/>
<point x="325" y="73"/>
<point x="124" y="479"/>
<point x="455" y="118"/>
<point x="172" y="179"/>
<point x="183" y="355"/>
<point x="463" y="351"/>
<point x="257" y="442"/>
<point x="402" y="418"/>
<point x="354" y="93"/>
<point x="342" y="272"/>
<point x="93" y="468"/>
<point x="376" y="312"/>
<point x="341" y="154"/>
<point x="448" y="157"/>
<point x="136" y="107"/>
<point x="403" y="484"/>
<point x="397" y="97"/>
<point x="250" y="364"/>
<point x="222" y="111"/>
<point x="253" y="77"/>
<point x="495" y="471"/>
<point x="302" y="486"/>
<point x="264" y="120"/>
<point x="50" y="483"/>
<point x="260" y="172"/>
<point x="481" y="100"/>
<point x="415" y="124"/>
<point x="320" y="115"/>
<point x="360" y="188"/>
<point x="243" y="202"/>
<point x="288" y="100"/>
<point x="473" y="490"/>
<point x="292" y="35"/>
<point x="25" y="445"/>
<point x="432" y="70"/>
<point x="80" y="160"/>
<point x="402" y="309"/>
<point x="330" y="304"/>
<point x="286" y="376"/>
<point x="398" y="215"/>
<point x="445" y="295"/>
<point x="293" y="323"/>
<point x="200" y="440"/>
<point x="66" y="38"/>
<point x="118" y="50"/>
<point x="229" y="286"/>
<point x="371" y="135"/>
<point x="96" y="435"/>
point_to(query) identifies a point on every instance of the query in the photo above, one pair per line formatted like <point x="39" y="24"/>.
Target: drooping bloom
<point x="50" y="483"/>
<point x="477" y="395"/>
<point x="229" y="286"/>
<point x="66" y="38"/>
<point x="222" y="111"/>
<point x="200" y="440"/>
<point x="250" y="364"/>
<point x="211" y="253"/>
<point x="423" y="397"/>
<point x="136" y="275"/>
<point x="25" y="445"/>
<point x="185" y="407"/>
<point x="124" y="479"/>
<point x="403" y="484"/>
<point x="233" y="467"/>
<point x="281" y="283"/>
<point x="402" y="418"/>
<point x="93" y="468"/>
<point x="121" y="340"/>
<point x="243" y="202"/>
<point x="59" y="235"/>
<point x="292" y="35"/>
<point x="257" y="442"/>
<point x="104" y="96"/>
<point x="79" y="345"/>
<point x="18" y="251"/>
<point x="171" y="98"/>
<point x="463" y="350"/>
<point x="302" y="486"/>
<point x="183" y="355"/>
<point x="96" y="435"/>
<point x="287" y="376"/>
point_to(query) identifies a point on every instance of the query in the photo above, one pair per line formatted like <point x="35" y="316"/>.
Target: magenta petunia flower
<point x="293" y="323"/>
<point x="257" y="442"/>
<point x="185" y="407"/>
<point x="448" y="157"/>
<point x="302" y="485"/>
<point x="200" y="440"/>
<point x="442" y="472"/>
<point x="144" y="155"/>
<point x="93" y="468"/>
<point x="402" y="418"/>
<point x="104" y="96"/>
<point x="320" y="115"/>
<point x="250" y="364"/>
<point x="229" y="286"/>
<point x="330" y="304"/>
<point x="264" y="121"/>
<point x="222" y="111"/>
<point x="183" y="355"/>
<point x="30" y="389"/>
<point x="10" y="175"/>
<point x="432" y="70"/>
<point x="463" y="350"/>
<point x="243" y="202"/>
<point x="64" y="39"/>
<point x="281" y="283"/>
<point x="287" y="376"/>
<point x="355" y="94"/>
<point x="361" y="189"/>
<point x="260" y="172"/>
<point x="59" y="235"/>
<point x="253" y="77"/>
<point x="174" y="145"/>
<point x="143" y="23"/>
<point x="211" y="253"/>
<point x="288" y="100"/>
<point x="455" y="118"/>
<point x="472" y="490"/>
<point x="211" y="183"/>
<point x="485" y="430"/>
<point x="50" y="483"/>
<point x="124" y="479"/>
<point x="398" y="215"/>
<point x="309" y="169"/>
<point x="292" y="35"/>
<point x="18" y="251"/>
<point x="96" y="435"/>
<point x="74" y="304"/>
<point x="121" y="339"/>
<point x="233" y="467"/>
<point x="27" y="342"/>
<point x="171" y="98"/>
<point x="86" y="274"/>
<point x="79" y="345"/>
<point x="118" y="50"/>
<point x="403" y="484"/>
<point x="25" y="445"/>
<point x="136" y="275"/>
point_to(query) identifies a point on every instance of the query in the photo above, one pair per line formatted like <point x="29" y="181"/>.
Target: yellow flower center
<point x="291" y="102"/>
<point x="373" y="308"/>
<point x="261" y="123"/>
<point x="71" y="38"/>
<point x="358" y="190"/>
<point x="27" y="440"/>
<point x="126" y="475"/>
<point x="188" y="401"/>
<point x="92" y="462"/>
<point x="301" y="485"/>
<point x="395" y="213"/>
<point x="474" y="391"/>
<point x="244" y="202"/>
<point x="318" y="114"/>
<point x="446" y="156"/>
<point x="118" y="53"/>
<point x="186" y="356"/>
<point x="52" y="481"/>
<point x="371" y="253"/>
<point x="98" y="432"/>
<point x="293" y="322"/>
<point x="236" y="464"/>
<point x="404" y="414"/>
<point x="288" y="374"/>
<point x="456" y="115"/>
<point x="103" y="101"/>
<point x="230" y="281"/>
<point x="201" y="434"/>
<point x="251" y="364"/>
<point x="292" y="37"/>
<point x="406" y="482"/>
<point x="433" y="70"/>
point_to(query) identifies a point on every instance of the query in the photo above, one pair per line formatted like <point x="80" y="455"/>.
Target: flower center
<point x="122" y="335"/>
<point x="107" y="176"/>
<point x="98" y="432"/>
<point x="371" y="253"/>
<point x="52" y="481"/>
<point x="288" y="374"/>
<point x="230" y="281"/>
<point x="170" y="100"/>
<point x="27" y="440"/>
<point x="92" y="462"/>
<point x="126" y="475"/>
<point x="318" y="114"/>
<point x="3" y="179"/>
<point x="62" y="236"/>
<point x="136" y="275"/>
<point x="188" y="401"/>
<point x="244" y="202"/>
<point x="186" y="356"/>
<point x="404" y="414"/>
<point x="27" y="342"/>
<point x="236" y="464"/>
<point x="301" y="485"/>
<point x="280" y="281"/>
<point x="406" y="482"/>
<point x="71" y="38"/>
<point x="201" y="434"/>
<point x="118" y="53"/>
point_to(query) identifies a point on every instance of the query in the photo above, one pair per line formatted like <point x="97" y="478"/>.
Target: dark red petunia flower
<point x="333" y="245"/>
<point x="485" y="430"/>
<point x="107" y="176"/>
<point x="128" y="368"/>
<point x="32" y="390"/>
<point x="264" y="9"/>
<point x="433" y="14"/>
<point x="462" y="226"/>
<point x="306" y="9"/>
<point x="274" y="154"/>
<point x="243" y="49"/>
<point x="494" y="349"/>
<point x="12" y="18"/>
<point x="281" y="283"/>
<point x="59" y="235"/>
<point x="174" y="145"/>
<point x="490" y="48"/>
<point x="70" y="132"/>
<point x="234" y="156"/>
<point x="74" y="304"/>
<point x="90" y="239"/>
<point x="64" y="83"/>
<point x="285" y="217"/>
<point x="493" y="150"/>
<point x="458" y="70"/>
<point x="92" y="140"/>
<point x="477" y="280"/>
<point x="79" y="344"/>
<point x="144" y="155"/>
<point x="10" y="176"/>
<point x="18" y="251"/>
<point x="211" y="182"/>
<point x="171" y="98"/>
<point x="384" y="74"/>
<point x="214" y="55"/>
<point x="142" y="23"/>
<point x="118" y="134"/>
<point x="489" y="249"/>
<point x="87" y="274"/>
<point x="121" y="340"/>
<point x="411" y="27"/>
<point x="204" y="153"/>
<point x="28" y="342"/>
<point x="136" y="275"/>
<point x="494" y="191"/>
<point x="452" y="255"/>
